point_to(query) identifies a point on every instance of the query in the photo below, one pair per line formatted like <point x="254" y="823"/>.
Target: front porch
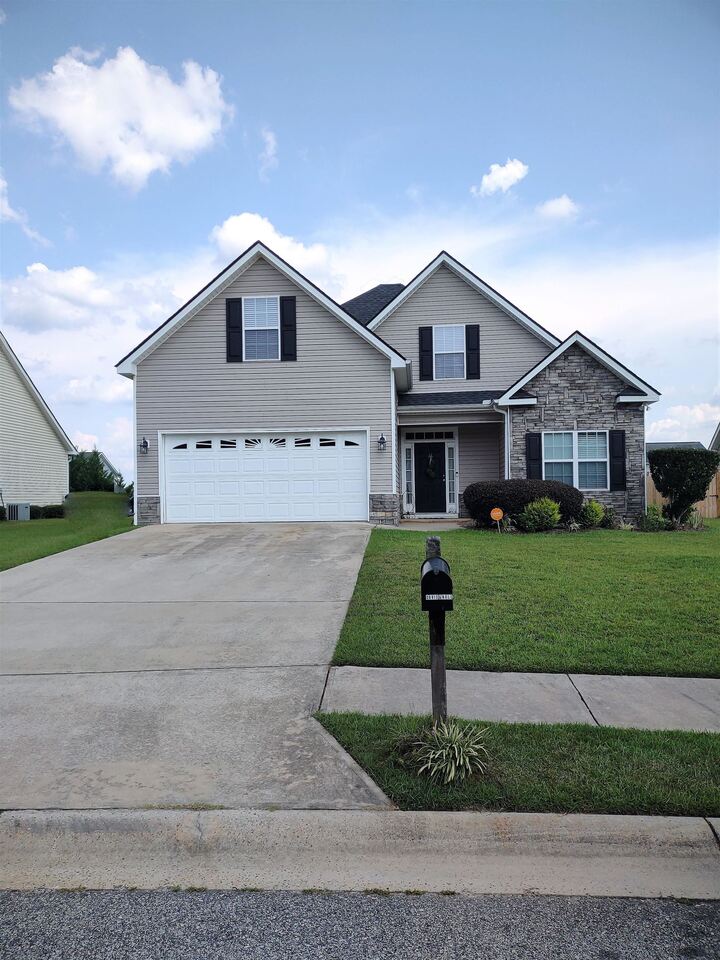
<point x="440" y="456"/>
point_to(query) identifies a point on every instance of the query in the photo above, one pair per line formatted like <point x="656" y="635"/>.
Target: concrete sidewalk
<point x="650" y="703"/>
<point x="360" y="850"/>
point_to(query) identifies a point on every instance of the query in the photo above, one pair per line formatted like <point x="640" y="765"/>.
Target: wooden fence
<point x="709" y="508"/>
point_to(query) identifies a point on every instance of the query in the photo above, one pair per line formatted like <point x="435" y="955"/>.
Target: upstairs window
<point x="449" y="352"/>
<point x="261" y="328"/>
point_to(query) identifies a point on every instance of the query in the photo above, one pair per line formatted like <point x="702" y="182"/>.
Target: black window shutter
<point x="472" y="351"/>
<point x="533" y="456"/>
<point x="426" y="353"/>
<point x="618" y="480"/>
<point x="234" y="330"/>
<point x="288" y="329"/>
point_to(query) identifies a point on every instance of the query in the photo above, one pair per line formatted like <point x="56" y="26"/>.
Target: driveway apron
<point x="179" y="666"/>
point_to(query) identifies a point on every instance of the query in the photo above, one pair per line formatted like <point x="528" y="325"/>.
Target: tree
<point x="682" y="476"/>
<point x="87" y="472"/>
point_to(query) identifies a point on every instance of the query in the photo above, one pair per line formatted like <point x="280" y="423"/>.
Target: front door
<point x="430" y="493"/>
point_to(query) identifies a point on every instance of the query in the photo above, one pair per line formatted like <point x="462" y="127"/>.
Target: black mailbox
<point x="436" y="589"/>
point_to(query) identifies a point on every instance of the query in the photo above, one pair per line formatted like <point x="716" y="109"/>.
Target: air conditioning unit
<point x="18" y="511"/>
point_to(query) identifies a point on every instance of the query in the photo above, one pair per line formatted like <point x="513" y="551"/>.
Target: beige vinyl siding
<point x="507" y="350"/>
<point x="480" y="452"/>
<point x="33" y="460"/>
<point x="338" y="380"/>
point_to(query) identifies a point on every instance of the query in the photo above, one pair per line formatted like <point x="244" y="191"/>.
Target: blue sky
<point x="354" y="138"/>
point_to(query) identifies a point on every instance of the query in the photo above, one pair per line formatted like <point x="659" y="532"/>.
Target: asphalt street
<point x="224" y="925"/>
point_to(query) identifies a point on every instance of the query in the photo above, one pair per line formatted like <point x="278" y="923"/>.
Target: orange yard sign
<point x="496" y="514"/>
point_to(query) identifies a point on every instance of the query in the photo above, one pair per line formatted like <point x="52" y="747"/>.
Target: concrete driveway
<point x="178" y="666"/>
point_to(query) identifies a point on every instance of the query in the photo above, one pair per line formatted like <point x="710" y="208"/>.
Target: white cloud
<point x="96" y="389"/>
<point x="559" y="208"/>
<point x="238" y="232"/>
<point x="500" y="177"/>
<point x="84" y="441"/>
<point x="3" y="17"/>
<point x="268" y="158"/>
<point x="125" y="112"/>
<point x="683" y="422"/>
<point x="10" y="215"/>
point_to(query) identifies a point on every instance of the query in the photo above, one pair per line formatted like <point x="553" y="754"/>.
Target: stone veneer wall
<point x="578" y="393"/>
<point x="148" y="510"/>
<point x="385" y="508"/>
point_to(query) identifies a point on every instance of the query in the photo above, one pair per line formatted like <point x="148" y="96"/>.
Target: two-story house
<point x="264" y="399"/>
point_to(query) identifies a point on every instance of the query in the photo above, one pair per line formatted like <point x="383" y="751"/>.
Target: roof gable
<point x="638" y="391"/>
<point x="444" y="259"/>
<point x="45" y="410"/>
<point x="214" y="288"/>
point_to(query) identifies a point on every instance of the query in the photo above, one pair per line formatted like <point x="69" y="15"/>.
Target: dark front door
<point x="430" y="494"/>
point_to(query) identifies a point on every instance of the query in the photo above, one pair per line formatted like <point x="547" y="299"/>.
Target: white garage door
<point x="284" y="475"/>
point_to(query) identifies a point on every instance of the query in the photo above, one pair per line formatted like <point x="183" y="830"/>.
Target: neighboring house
<point x="34" y="448"/>
<point x="671" y="445"/>
<point x="715" y="442"/>
<point x="263" y="399"/>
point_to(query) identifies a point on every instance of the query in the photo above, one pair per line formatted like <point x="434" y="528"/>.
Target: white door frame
<point x="162" y="434"/>
<point x="451" y="483"/>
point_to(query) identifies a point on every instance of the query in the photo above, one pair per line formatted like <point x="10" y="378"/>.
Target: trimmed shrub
<point x="652" y="521"/>
<point x="36" y="512"/>
<point x="682" y="476"/>
<point x="542" y="514"/>
<point x="592" y="514"/>
<point x="3" y="514"/>
<point x="512" y="496"/>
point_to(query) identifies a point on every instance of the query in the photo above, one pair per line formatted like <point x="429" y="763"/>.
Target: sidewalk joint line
<point x="322" y="695"/>
<point x="95" y="673"/>
<point x="585" y="703"/>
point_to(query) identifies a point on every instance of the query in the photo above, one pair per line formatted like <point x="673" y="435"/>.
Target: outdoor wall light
<point x="381" y="442"/>
<point x="143" y="446"/>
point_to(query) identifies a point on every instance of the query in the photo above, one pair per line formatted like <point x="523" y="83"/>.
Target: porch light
<point x="381" y="442"/>
<point x="143" y="446"/>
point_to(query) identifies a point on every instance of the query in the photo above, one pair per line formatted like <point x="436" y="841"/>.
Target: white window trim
<point x="262" y="296"/>
<point x="576" y="461"/>
<point x="464" y="351"/>
<point x="409" y="508"/>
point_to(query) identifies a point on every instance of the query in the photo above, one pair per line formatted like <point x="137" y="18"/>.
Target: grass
<point x="545" y="768"/>
<point x="88" y="517"/>
<point x="602" y="601"/>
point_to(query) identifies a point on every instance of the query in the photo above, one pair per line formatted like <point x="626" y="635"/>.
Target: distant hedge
<point x="51" y="511"/>
<point x="512" y="496"/>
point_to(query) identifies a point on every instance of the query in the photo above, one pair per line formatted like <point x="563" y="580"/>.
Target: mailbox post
<point x="436" y="597"/>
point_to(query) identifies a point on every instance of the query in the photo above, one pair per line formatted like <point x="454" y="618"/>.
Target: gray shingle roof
<point x="366" y="306"/>
<point x="453" y="399"/>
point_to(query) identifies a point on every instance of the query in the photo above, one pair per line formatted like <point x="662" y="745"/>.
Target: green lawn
<point x="596" y="602"/>
<point x="561" y="768"/>
<point x="88" y="516"/>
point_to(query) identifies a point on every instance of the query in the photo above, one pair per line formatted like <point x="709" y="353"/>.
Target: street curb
<point x="488" y="853"/>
